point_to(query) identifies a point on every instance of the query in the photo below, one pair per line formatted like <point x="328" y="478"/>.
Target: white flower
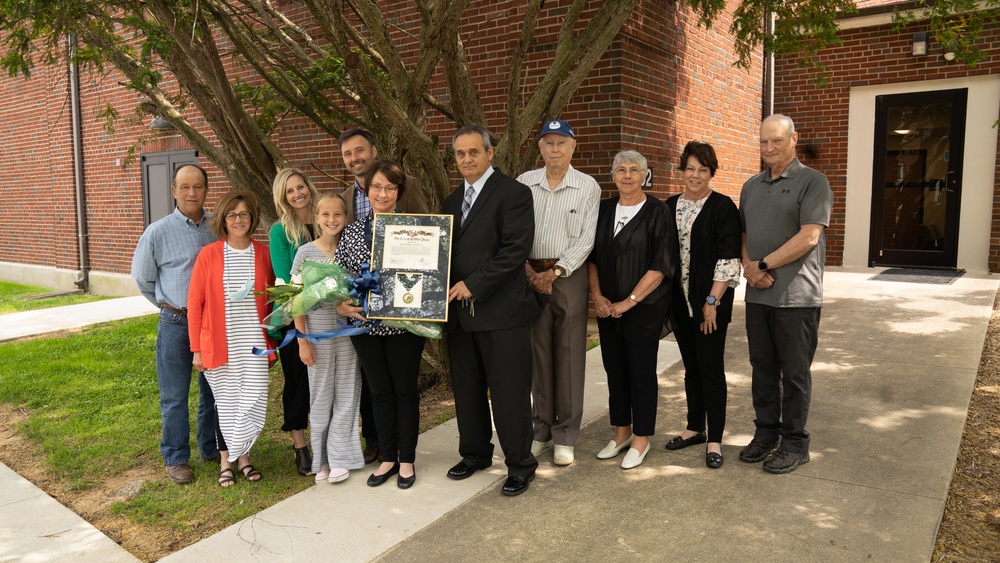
<point x="279" y="281"/>
<point x="297" y="279"/>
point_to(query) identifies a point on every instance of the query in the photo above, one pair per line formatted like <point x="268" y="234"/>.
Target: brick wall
<point x="868" y="56"/>
<point x="663" y="82"/>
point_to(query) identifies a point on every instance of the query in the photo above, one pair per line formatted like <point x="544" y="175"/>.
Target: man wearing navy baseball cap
<point x="566" y="202"/>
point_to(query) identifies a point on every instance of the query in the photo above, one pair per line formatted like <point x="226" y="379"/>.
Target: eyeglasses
<point x="241" y="215"/>
<point x="633" y="171"/>
<point x="390" y="189"/>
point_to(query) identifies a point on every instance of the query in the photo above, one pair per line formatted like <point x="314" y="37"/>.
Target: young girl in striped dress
<point x="334" y="377"/>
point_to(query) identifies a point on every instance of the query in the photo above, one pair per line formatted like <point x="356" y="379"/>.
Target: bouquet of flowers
<point x="330" y="284"/>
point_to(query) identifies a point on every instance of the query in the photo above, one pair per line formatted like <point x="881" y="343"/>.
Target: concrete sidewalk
<point x="44" y="321"/>
<point x="892" y="380"/>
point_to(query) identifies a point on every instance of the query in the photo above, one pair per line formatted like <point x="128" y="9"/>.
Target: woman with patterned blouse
<point x="389" y="356"/>
<point x="708" y="228"/>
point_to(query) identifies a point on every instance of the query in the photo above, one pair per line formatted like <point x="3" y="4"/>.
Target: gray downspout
<point x="769" y="71"/>
<point x="83" y="282"/>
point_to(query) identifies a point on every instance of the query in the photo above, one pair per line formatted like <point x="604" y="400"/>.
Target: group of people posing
<point x="528" y="255"/>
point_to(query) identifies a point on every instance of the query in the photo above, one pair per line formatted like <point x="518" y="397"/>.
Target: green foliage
<point x="956" y="25"/>
<point x="801" y="27"/>
<point x="263" y="102"/>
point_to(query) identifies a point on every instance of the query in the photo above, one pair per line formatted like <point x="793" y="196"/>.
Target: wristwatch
<point x="558" y="271"/>
<point x="762" y="265"/>
<point x="712" y="300"/>
<point x="632" y="297"/>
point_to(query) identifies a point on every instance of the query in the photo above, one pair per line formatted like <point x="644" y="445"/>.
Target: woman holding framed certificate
<point x="389" y="356"/>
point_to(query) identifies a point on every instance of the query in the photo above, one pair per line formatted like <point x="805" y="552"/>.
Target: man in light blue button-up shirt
<point x="161" y="268"/>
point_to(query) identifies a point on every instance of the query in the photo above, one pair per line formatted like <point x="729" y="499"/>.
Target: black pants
<point x="782" y="344"/>
<point x="295" y="394"/>
<point x="493" y="365"/>
<point x="392" y="364"/>
<point x="632" y="384"/>
<point x="368" y="429"/>
<point x="704" y="375"/>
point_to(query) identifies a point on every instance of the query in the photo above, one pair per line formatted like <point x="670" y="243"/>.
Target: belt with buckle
<point x="543" y="265"/>
<point x="174" y="309"/>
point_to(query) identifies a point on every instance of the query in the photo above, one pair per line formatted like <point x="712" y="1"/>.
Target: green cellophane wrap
<point x="327" y="284"/>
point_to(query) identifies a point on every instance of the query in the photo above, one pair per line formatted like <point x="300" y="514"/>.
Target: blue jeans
<point x="173" y="369"/>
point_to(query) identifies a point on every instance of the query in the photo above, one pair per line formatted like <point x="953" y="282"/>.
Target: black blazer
<point x="488" y="253"/>
<point x="647" y="242"/>
<point x="715" y="236"/>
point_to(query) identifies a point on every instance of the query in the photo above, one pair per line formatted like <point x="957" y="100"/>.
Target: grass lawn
<point x="10" y="293"/>
<point x="92" y="404"/>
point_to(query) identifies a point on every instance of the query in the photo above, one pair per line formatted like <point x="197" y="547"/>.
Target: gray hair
<point x="784" y="119"/>
<point x="631" y="157"/>
<point x="473" y="128"/>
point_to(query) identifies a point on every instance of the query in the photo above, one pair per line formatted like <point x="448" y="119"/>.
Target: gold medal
<point x="407" y="298"/>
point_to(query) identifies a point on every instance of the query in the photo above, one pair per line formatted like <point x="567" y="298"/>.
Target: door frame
<point x="978" y="174"/>
<point x="947" y="257"/>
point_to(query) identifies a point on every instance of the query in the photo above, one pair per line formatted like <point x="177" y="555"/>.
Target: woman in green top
<point x="294" y="197"/>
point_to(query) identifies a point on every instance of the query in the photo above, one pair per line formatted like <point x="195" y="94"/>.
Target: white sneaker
<point x="563" y="455"/>
<point x="633" y="458"/>
<point x="612" y="450"/>
<point x="538" y="447"/>
<point x="338" y="475"/>
<point x="323" y="473"/>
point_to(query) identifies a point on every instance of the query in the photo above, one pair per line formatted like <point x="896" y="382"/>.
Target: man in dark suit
<point x="490" y="311"/>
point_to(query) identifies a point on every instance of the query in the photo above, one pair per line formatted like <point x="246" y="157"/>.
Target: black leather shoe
<point x="756" y="450"/>
<point x="785" y="461"/>
<point x="679" y="443"/>
<point x="713" y="460"/>
<point x="406" y="482"/>
<point x="376" y="480"/>
<point x="514" y="486"/>
<point x="462" y="470"/>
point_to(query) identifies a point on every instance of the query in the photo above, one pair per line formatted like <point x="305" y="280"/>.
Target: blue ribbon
<point x="289" y="336"/>
<point x="360" y="285"/>
<point x="366" y="281"/>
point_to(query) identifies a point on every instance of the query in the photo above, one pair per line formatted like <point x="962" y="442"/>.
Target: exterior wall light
<point x="920" y="44"/>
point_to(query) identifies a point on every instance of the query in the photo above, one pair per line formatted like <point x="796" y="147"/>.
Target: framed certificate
<point x="412" y="253"/>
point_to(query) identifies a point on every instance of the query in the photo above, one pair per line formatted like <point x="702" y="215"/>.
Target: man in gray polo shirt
<point x="784" y="211"/>
<point x="566" y="202"/>
<point x="161" y="268"/>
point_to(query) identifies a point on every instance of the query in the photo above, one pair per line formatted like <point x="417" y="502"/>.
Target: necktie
<point x="467" y="204"/>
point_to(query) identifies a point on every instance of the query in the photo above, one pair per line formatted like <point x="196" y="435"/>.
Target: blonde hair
<point x="295" y="231"/>
<point x="319" y="203"/>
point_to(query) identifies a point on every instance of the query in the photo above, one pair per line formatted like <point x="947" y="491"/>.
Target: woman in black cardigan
<point x="708" y="228"/>
<point x="631" y="271"/>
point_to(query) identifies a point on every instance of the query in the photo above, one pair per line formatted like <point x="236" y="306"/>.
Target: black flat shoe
<point x="514" y="486"/>
<point x="376" y="480"/>
<point x="713" y="460"/>
<point x="679" y="443"/>
<point x="406" y="482"/>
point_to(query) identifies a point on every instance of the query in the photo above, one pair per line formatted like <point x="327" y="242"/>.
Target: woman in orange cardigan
<point x="224" y="317"/>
